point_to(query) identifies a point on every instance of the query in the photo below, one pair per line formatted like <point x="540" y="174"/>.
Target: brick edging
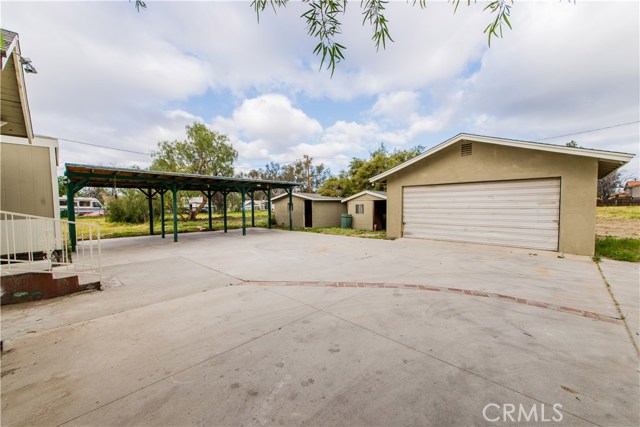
<point x="502" y="297"/>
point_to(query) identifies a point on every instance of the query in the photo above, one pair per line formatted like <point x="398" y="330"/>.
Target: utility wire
<point x="339" y="158"/>
<point x="104" y="146"/>
<point x="590" y="130"/>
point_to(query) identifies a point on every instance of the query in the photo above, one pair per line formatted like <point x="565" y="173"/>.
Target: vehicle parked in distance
<point x="82" y="206"/>
<point x="258" y="205"/>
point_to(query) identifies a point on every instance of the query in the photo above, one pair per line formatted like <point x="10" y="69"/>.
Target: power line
<point x="104" y="146"/>
<point x="590" y="130"/>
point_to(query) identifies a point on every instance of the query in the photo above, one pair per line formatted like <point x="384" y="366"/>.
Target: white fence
<point x="30" y="243"/>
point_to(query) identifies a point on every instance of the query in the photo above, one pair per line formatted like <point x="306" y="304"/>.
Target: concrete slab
<point x="179" y="337"/>
<point x="317" y="371"/>
<point x="624" y="279"/>
<point x="126" y="286"/>
<point x="54" y="376"/>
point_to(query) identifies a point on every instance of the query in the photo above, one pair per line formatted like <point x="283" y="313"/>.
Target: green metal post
<point x="224" y="208"/>
<point x="162" y="211"/>
<point x="209" y="206"/>
<point x="244" y="213"/>
<point x="253" y="215"/>
<point x="269" y="207"/>
<point x="290" y="191"/>
<point x="150" y="197"/>
<point x="71" y="214"/>
<point x="174" y="190"/>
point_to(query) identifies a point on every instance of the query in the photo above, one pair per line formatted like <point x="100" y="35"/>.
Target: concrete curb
<point x="469" y="292"/>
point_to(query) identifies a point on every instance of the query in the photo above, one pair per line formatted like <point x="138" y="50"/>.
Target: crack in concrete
<point x="619" y="309"/>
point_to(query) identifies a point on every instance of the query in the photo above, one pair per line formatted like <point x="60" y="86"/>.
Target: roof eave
<point x="601" y="155"/>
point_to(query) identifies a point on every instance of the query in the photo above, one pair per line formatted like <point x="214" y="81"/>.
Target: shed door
<point x="510" y="213"/>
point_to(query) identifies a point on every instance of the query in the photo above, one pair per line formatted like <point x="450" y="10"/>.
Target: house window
<point x="359" y="209"/>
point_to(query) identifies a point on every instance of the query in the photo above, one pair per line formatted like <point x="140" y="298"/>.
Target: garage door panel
<point x="511" y="213"/>
<point x="486" y="223"/>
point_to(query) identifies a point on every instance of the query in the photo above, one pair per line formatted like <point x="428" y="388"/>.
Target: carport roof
<point x="104" y="176"/>
<point x="608" y="161"/>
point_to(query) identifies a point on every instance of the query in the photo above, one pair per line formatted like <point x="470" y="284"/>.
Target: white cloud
<point x="396" y="106"/>
<point x="272" y="119"/>
<point x="111" y="76"/>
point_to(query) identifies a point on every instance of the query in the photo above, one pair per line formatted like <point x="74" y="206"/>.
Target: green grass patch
<point x="110" y="230"/>
<point x="618" y="249"/>
<point x="623" y="212"/>
<point x="346" y="232"/>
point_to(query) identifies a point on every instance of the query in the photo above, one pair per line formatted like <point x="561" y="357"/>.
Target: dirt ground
<point x="617" y="227"/>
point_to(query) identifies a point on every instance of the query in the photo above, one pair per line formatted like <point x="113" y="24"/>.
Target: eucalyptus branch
<point x="323" y="24"/>
<point x="373" y="12"/>
<point x="502" y="10"/>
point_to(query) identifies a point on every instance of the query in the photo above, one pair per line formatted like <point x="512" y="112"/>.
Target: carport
<point x="152" y="183"/>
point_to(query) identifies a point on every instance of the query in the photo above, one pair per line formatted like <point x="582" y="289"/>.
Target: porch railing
<point x="30" y="243"/>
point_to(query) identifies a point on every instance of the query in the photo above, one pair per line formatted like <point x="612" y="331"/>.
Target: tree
<point x="62" y="186"/>
<point x="204" y="152"/>
<point x="573" y="144"/>
<point x="302" y="171"/>
<point x="131" y="207"/>
<point x="356" y="178"/>
<point x="323" y="22"/>
<point x="608" y="185"/>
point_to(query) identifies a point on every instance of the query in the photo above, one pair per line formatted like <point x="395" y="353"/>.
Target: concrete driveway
<point x="281" y="328"/>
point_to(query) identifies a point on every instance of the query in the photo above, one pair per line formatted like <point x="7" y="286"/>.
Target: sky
<point x="111" y="76"/>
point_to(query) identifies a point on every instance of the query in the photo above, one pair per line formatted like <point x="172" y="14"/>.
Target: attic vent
<point x="465" y="149"/>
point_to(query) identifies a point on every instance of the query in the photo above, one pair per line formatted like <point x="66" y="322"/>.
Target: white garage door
<point x="510" y="213"/>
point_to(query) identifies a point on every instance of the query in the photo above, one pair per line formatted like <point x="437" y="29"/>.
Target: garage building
<point x="499" y="191"/>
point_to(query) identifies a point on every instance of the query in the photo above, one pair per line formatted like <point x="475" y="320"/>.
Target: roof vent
<point x="465" y="149"/>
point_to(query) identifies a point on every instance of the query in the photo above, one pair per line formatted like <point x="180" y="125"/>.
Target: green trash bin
<point x="345" y="221"/>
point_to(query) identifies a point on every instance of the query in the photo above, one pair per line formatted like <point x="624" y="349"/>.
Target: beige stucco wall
<point x="324" y="214"/>
<point x="327" y="214"/>
<point x="490" y="162"/>
<point x="26" y="180"/>
<point x="282" y="214"/>
<point x="362" y="221"/>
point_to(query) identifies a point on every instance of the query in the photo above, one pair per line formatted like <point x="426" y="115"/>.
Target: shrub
<point x="131" y="207"/>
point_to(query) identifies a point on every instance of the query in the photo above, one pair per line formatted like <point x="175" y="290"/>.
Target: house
<point x="368" y="210"/>
<point x="309" y="210"/>
<point x="499" y="191"/>
<point x="632" y="189"/>
<point x="28" y="163"/>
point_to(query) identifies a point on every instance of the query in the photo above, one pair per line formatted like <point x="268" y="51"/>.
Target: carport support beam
<point x="71" y="214"/>
<point x="269" y="207"/>
<point x="209" y="195"/>
<point x="290" y="191"/>
<point x="253" y="206"/>
<point x="150" y="199"/>
<point x="162" y="211"/>
<point x="244" y="212"/>
<point x="174" y="191"/>
<point x="224" y="209"/>
<point x="72" y="189"/>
